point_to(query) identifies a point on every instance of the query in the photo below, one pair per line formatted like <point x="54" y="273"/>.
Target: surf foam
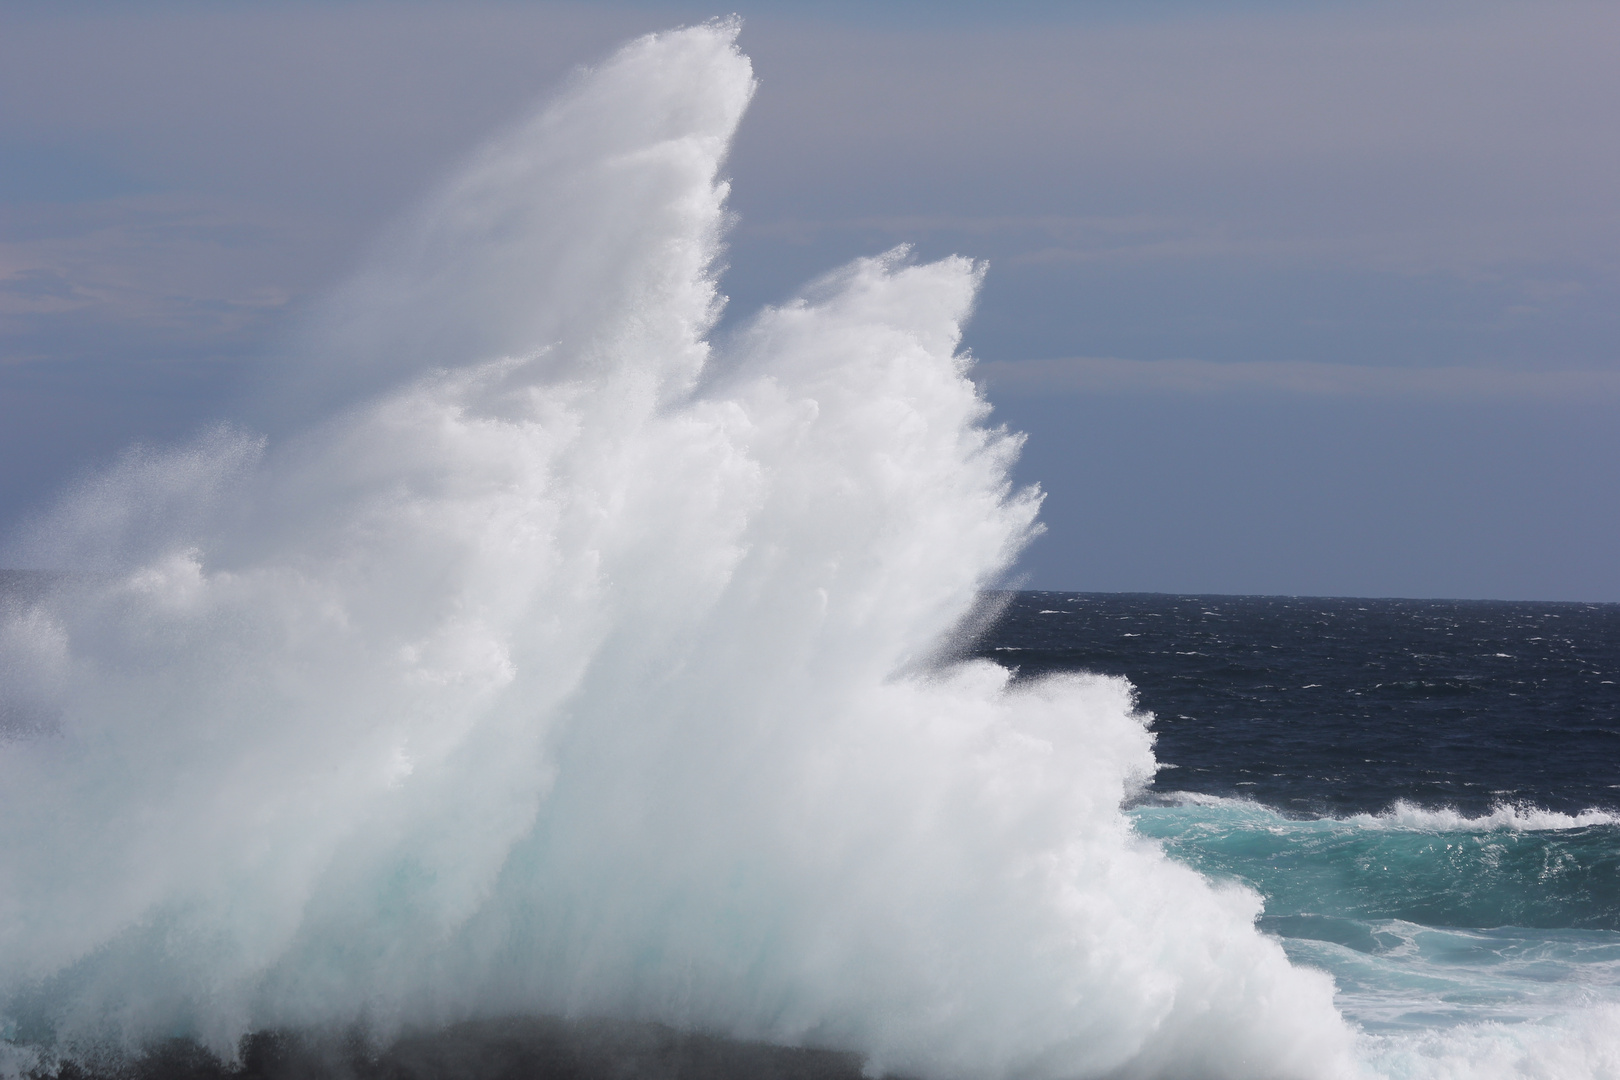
<point x="545" y="661"/>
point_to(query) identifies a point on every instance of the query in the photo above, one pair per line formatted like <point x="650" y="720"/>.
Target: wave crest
<point x="536" y="674"/>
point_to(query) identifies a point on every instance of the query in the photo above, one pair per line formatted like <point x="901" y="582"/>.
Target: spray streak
<point x="539" y="677"/>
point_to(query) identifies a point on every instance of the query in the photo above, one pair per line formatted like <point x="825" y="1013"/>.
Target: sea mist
<point x="544" y="660"/>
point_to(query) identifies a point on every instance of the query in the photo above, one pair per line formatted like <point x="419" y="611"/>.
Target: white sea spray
<point x="545" y="661"/>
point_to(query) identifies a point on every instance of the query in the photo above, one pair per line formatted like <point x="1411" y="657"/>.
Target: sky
<point x="1311" y="298"/>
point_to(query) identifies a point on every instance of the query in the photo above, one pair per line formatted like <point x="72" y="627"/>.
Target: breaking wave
<point x="546" y="660"/>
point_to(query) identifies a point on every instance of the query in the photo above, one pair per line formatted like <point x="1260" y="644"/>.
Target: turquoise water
<point x="1423" y="792"/>
<point x="1424" y="918"/>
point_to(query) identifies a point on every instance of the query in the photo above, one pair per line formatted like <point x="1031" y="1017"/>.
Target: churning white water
<point x="553" y="662"/>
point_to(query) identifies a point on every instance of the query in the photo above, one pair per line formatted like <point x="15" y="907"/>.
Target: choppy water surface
<point x="1423" y="791"/>
<point x="1319" y="705"/>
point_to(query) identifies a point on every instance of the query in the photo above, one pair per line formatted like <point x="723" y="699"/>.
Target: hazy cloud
<point x="1107" y="375"/>
<point x="1339" y="207"/>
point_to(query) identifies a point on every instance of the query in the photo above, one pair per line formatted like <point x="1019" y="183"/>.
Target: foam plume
<point x="533" y="675"/>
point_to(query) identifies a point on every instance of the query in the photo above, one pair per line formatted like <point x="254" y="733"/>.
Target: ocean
<point x="537" y="682"/>
<point x="1426" y="793"/>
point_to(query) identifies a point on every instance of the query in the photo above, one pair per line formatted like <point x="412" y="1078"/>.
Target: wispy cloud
<point x="1111" y="375"/>
<point x="139" y="277"/>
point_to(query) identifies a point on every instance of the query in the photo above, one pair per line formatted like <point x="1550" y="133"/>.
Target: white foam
<point x="537" y="675"/>
<point x="1406" y="816"/>
<point x="1582" y="1045"/>
<point x="1505" y="817"/>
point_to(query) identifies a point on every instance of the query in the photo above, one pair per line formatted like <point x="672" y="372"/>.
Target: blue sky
<point x="1290" y="297"/>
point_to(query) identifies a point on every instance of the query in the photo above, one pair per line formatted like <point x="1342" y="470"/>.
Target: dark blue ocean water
<point x="1341" y="705"/>
<point x="1426" y="793"/>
